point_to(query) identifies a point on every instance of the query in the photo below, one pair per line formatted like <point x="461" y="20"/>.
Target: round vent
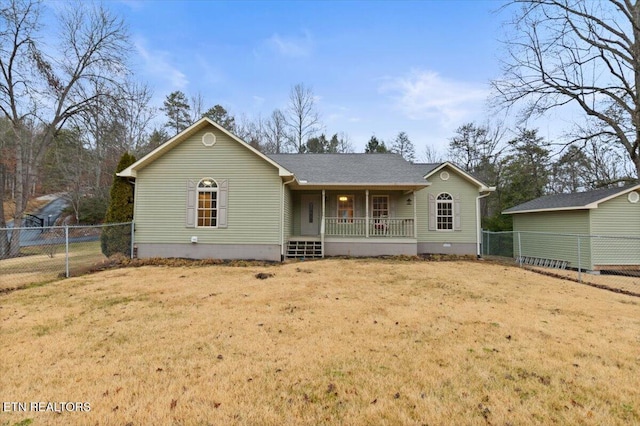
<point x="633" y="197"/>
<point x="444" y="175"/>
<point x="208" y="139"/>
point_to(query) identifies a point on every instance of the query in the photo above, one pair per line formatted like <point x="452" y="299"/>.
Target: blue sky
<point x="375" y="67"/>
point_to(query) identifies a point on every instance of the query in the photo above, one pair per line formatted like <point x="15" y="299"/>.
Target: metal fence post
<point x="519" y="250"/>
<point x="579" y="262"/>
<point x="131" y="248"/>
<point x="66" y="249"/>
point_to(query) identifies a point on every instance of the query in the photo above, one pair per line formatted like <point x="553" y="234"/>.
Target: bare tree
<point x="344" y="143"/>
<point x="476" y="145"/>
<point x="402" y="145"/>
<point x="302" y="118"/>
<point x="73" y="163"/>
<point x="431" y="155"/>
<point x="251" y="131"/>
<point x="568" y="173"/>
<point x="583" y="53"/>
<point x="136" y="114"/>
<point x="607" y="166"/>
<point x="275" y="132"/>
<point x="196" y="104"/>
<point x="41" y="89"/>
<point x="114" y="126"/>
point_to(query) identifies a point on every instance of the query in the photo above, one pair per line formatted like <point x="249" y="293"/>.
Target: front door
<point x="310" y="211"/>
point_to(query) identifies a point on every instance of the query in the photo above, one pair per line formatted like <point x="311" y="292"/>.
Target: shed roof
<point x="352" y="169"/>
<point x="573" y="201"/>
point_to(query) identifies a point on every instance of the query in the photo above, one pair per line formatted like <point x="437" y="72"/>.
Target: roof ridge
<point x="572" y="200"/>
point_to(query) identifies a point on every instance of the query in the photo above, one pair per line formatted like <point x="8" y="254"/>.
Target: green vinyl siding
<point x="616" y="217"/>
<point x="400" y="206"/>
<point x="457" y="186"/>
<point x="552" y="235"/>
<point x="288" y="213"/>
<point x="254" y="188"/>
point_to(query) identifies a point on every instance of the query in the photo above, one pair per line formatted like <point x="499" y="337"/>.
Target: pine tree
<point x="375" y="146"/>
<point x="117" y="239"/>
<point x="176" y="108"/>
<point x="221" y="116"/>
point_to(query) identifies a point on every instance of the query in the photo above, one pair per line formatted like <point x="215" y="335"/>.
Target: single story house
<point x="605" y="223"/>
<point x="207" y="194"/>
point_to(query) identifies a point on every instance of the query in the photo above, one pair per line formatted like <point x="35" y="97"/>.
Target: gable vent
<point x="208" y="139"/>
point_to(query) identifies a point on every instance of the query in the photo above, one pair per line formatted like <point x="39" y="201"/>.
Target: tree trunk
<point x="22" y="196"/>
<point x="4" y="236"/>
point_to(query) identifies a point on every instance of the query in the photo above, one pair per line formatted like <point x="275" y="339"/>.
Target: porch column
<point x="322" y="224"/>
<point x="366" y="213"/>
<point x="415" y="216"/>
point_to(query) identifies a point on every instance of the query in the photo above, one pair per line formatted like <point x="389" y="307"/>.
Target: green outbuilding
<point x="595" y="230"/>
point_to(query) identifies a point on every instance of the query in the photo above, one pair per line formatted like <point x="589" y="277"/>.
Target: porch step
<point x="309" y="249"/>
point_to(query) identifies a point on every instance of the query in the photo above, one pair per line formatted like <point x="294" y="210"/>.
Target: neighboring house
<point x="549" y="228"/>
<point x="207" y="194"/>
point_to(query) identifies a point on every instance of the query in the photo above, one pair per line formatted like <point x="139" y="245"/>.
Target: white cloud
<point x="293" y="47"/>
<point x="136" y="5"/>
<point x="427" y="95"/>
<point x="157" y="66"/>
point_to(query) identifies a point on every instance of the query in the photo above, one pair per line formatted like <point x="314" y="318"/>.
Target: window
<point x="345" y="208"/>
<point x="207" y="211"/>
<point x="444" y="212"/>
<point x="380" y="206"/>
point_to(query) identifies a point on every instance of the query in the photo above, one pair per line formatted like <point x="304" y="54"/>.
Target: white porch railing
<point x="378" y="227"/>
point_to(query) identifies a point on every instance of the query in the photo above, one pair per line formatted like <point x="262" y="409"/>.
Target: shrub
<point x="117" y="239"/>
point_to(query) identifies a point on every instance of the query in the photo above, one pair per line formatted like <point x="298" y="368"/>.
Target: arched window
<point x="444" y="212"/>
<point x="207" y="211"/>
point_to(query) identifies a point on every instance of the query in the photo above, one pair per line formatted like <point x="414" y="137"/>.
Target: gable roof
<point x="574" y="201"/>
<point x="381" y="170"/>
<point x="351" y="169"/>
<point x="426" y="168"/>
<point x="429" y="169"/>
<point x="131" y="171"/>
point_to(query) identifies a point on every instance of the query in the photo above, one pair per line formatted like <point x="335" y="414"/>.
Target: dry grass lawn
<point x="355" y="342"/>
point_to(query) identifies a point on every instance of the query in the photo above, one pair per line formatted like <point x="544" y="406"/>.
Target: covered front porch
<point x="353" y="222"/>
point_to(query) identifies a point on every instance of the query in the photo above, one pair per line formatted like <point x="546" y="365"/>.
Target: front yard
<point x="323" y="342"/>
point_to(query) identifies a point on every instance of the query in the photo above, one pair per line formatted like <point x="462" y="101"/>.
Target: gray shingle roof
<point x="381" y="169"/>
<point x="575" y="200"/>
<point x="425" y="168"/>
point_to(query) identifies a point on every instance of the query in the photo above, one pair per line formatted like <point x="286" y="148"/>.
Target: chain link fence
<point x="611" y="262"/>
<point x="51" y="252"/>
